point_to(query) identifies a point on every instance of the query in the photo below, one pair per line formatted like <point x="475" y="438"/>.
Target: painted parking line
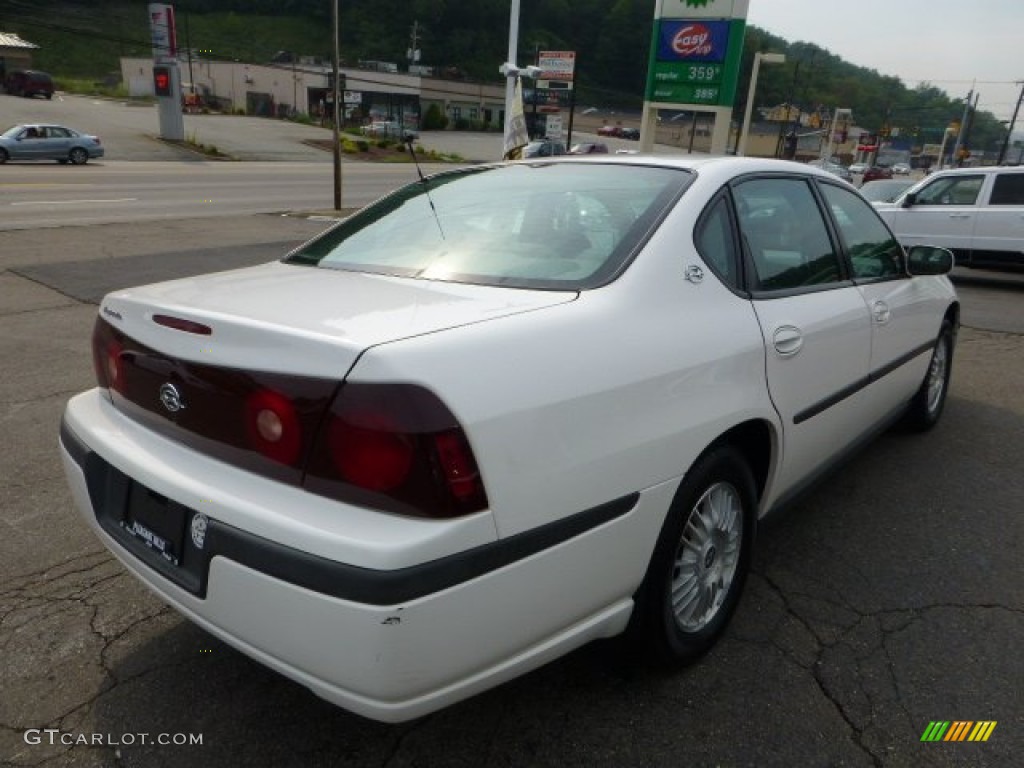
<point x="76" y="202"/>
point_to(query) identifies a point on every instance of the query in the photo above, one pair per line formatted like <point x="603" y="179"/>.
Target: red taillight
<point x="115" y="365"/>
<point x="375" y="458"/>
<point x="396" y="447"/>
<point x="108" y="357"/>
<point x="273" y="426"/>
<point x="457" y="464"/>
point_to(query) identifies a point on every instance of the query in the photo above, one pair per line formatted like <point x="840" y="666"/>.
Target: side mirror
<point x="929" y="260"/>
<point x="909" y="199"/>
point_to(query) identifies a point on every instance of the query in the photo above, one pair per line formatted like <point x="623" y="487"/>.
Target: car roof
<point x="982" y="169"/>
<point x="728" y="164"/>
<point x="713" y="169"/>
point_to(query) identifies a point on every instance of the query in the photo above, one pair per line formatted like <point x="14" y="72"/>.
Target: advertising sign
<point x="691" y="41"/>
<point x="553" y="88"/>
<point x="162" y="32"/>
<point x="554" y="128"/>
<point x="557" y="65"/>
<point x="696" y="51"/>
<point x="703" y="9"/>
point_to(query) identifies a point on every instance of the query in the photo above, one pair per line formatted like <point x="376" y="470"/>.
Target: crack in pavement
<point x="856" y="672"/>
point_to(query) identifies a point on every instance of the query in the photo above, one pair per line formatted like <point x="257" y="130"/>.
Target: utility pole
<point x="1013" y="122"/>
<point x="336" y="108"/>
<point x="970" y="124"/>
<point x="188" y="45"/>
<point x="413" y="54"/>
<point x="963" y="126"/>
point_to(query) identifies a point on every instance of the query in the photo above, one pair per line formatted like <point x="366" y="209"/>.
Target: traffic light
<point x="162" y="81"/>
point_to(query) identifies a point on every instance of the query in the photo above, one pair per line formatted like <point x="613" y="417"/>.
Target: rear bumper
<point x="388" y="643"/>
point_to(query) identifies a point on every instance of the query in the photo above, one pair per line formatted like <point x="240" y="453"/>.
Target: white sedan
<point x="500" y="413"/>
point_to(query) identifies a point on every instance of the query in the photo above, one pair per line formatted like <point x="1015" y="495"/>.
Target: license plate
<point x="153" y="520"/>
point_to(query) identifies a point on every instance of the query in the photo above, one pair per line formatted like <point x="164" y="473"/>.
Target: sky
<point x="946" y="43"/>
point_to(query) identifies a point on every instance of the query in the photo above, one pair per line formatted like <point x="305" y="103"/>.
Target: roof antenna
<point x="407" y="137"/>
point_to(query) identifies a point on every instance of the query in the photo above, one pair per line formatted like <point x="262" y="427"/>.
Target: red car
<point x="877" y="172"/>
<point x="609" y="130"/>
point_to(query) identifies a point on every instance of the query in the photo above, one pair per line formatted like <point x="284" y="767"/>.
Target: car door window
<point x="873" y="251"/>
<point x="1008" y="189"/>
<point x="785" y="235"/>
<point x="953" y="190"/>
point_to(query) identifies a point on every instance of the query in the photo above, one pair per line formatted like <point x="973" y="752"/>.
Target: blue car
<point x="48" y="142"/>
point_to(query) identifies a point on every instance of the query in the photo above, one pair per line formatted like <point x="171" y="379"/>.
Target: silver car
<point x="40" y="141"/>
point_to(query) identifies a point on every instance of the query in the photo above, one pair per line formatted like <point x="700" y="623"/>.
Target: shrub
<point x="434" y="119"/>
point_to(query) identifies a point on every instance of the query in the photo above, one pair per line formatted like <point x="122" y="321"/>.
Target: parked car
<point x="858" y="167"/>
<point x="589" y="148"/>
<point x="632" y="134"/>
<point x="29" y="83"/>
<point x="461" y="433"/>
<point x="885" y="190"/>
<point x="42" y="141"/>
<point x="610" y="130"/>
<point x="389" y="129"/>
<point x="901" y="169"/>
<point x="543" y="148"/>
<point x="876" y="172"/>
<point x="978" y="213"/>
<point x="834" y="168"/>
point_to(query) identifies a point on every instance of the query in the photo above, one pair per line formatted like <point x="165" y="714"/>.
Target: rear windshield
<point x="563" y="226"/>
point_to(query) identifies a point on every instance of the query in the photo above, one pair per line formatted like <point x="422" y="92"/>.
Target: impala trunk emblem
<point x="171" y="398"/>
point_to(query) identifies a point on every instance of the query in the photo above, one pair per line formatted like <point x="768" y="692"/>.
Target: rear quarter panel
<point x="575" y="405"/>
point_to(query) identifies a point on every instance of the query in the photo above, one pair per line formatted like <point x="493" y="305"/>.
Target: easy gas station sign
<point x="696" y="51"/>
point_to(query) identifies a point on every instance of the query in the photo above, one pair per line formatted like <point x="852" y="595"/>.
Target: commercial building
<point x="304" y="87"/>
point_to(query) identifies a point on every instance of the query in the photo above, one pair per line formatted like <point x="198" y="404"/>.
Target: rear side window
<point x="1008" y="189"/>
<point x="785" y="234"/>
<point x="715" y="241"/>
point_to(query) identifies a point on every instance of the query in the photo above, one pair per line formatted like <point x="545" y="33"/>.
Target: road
<point x="34" y="195"/>
<point x="890" y="597"/>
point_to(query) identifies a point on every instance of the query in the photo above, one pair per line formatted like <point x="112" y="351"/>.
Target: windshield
<point x="11" y="132"/>
<point x="564" y="226"/>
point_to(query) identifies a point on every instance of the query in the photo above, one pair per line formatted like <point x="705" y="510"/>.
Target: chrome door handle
<point x="881" y="312"/>
<point x="787" y="340"/>
<point x="959" y="215"/>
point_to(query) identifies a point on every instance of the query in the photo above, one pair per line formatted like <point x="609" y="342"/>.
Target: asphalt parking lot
<point x="891" y="597"/>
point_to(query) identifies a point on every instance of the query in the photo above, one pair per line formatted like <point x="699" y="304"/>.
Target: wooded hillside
<point x="611" y="38"/>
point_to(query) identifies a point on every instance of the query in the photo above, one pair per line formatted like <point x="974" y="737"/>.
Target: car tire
<point x="700" y="562"/>
<point x="927" y="404"/>
<point x="78" y="156"/>
<point x="3" y="156"/>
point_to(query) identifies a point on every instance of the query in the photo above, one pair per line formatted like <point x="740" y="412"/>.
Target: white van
<point x="978" y="213"/>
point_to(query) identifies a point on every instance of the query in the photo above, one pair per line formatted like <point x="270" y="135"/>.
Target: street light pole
<point x="513" y="45"/>
<point x="767" y="58"/>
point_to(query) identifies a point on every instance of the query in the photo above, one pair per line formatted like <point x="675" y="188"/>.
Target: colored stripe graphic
<point x="959" y="730"/>
<point x="982" y="730"/>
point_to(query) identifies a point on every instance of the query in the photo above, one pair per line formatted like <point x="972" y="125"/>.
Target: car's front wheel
<point x="3" y="156"/>
<point x="700" y="562"/>
<point x="78" y="156"/>
<point x="926" y="407"/>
